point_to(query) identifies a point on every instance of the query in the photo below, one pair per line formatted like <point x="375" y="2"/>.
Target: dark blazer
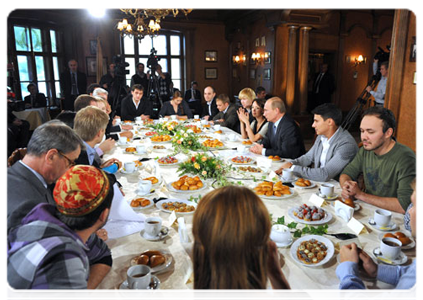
<point x="39" y="101"/>
<point x="214" y="110"/>
<point x="188" y="96"/>
<point x="66" y="87"/>
<point x="288" y="142"/>
<point x="129" y="111"/>
<point x="183" y="109"/>
<point x="230" y="118"/>
<point x="24" y="192"/>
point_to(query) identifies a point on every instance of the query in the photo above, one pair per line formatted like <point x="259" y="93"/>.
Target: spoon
<point x="343" y="236"/>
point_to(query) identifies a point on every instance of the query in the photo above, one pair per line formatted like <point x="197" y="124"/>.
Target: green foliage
<point x="308" y="229"/>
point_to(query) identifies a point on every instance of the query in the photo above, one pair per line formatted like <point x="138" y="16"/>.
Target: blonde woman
<point x="232" y="250"/>
<point x="256" y="129"/>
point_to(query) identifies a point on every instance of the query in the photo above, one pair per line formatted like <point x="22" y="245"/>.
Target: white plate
<point x="173" y="190"/>
<point x="155" y="185"/>
<point x="141" y="207"/>
<point x="154" y="286"/>
<point x="125" y="172"/>
<point x="159" y="150"/>
<point x="284" y="245"/>
<point x="312" y="185"/>
<point x="172" y="164"/>
<point x="148" y="237"/>
<point x="331" y="198"/>
<point x="391" y="226"/>
<point x="401" y="259"/>
<point x="406" y="247"/>
<point x="329" y="245"/>
<point x="253" y="161"/>
<point x="159" y="206"/>
<point x="159" y="268"/>
<point x="326" y="219"/>
<point x="127" y="293"/>
<point x="280" y="197"/>
<point x="248" y="172"/>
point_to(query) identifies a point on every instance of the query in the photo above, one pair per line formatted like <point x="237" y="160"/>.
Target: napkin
<point x="264" y="162"/>
<point x="344" y="211"/>
<point x="182" y="230"/>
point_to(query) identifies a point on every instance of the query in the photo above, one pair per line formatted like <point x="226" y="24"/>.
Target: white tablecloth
<point x="178" y="275"/>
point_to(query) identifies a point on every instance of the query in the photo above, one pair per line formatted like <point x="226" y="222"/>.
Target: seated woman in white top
<point x="258" y="128"/>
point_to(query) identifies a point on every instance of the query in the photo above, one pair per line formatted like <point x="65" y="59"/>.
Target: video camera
<point x="153" y="61"/>
<point x="381" y="55"/>
<point x="120" y="66"/>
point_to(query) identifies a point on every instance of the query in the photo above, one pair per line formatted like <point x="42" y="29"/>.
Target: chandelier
<point x="143" y="22"/>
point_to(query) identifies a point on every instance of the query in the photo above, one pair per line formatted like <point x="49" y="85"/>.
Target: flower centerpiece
<point x="185" y="140"/>
<point x="168" y="127"/>
<point x="206" y="167"/>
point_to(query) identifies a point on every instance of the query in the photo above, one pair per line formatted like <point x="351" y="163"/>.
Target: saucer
<point x="333" y="197"/>
<point x="154" y="284"/>
<point x="401" y="259"/>
<point x="389" y="227"/>
<point x="126" y="172"/>
<point x="126" y="292"/>
<point x="148" y="237"/>
<point x="283" y="245"/>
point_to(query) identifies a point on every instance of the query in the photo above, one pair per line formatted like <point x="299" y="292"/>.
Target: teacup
<point x="129" y="166"/>
<point x="280" y="234"/>
<point x="152" y="226"/>
<point x="173" y="117"/>
<point x="204" y="122"/>
<point x="382" y="217"/>
<point x="141" y="149"/>
<point x="287" y="174"/>
<point x="138" y="277"/>
<point x="117" y="121"/>
<point x="216" y="127"/>
<point x="144" y="187"/>
<point x="232" y="137"/>
<point x="241" y="148"/>
<point x="390" y="248"/>
<point x="326" y="189"/>
<point x="138" y="119"/>
<point x="196" y="117"/>
<point x="123" y="140"/>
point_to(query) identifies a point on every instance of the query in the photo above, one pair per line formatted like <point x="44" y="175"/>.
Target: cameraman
<point x="379" y="94"/>
<point x="165" y="84"/>
<point x="140" y="77"/>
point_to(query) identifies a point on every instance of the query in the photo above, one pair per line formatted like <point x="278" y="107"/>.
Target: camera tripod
<point x="153" y="94"/>
<point x="361" y="102"/>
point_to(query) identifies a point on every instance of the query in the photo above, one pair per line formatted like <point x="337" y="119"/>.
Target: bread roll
<point x="151" y="253"/>
<point x="156" y="260"/>
<point x="143" y="260"/>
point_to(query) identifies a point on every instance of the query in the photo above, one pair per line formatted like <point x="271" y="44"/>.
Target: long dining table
<point x="179" y="274"/>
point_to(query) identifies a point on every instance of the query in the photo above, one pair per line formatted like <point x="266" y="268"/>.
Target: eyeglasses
<point x="70" y="162"/>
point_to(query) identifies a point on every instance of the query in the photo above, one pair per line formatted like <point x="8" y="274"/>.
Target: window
<point x="169" y="47"/>
<point x="37" y="59"/>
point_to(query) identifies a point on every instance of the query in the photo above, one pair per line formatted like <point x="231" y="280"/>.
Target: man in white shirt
<point x="379" y="94"/>
<point x="210" y="109"/>
<point x="333" y="149"/>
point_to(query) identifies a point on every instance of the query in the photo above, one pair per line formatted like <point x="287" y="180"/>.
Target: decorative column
<point x="303" y="68"/>
<point x="291" y="63"/>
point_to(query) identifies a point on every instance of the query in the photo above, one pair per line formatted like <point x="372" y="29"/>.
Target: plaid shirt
<point x="164" y="85"/>
<point x="44" y="253"/>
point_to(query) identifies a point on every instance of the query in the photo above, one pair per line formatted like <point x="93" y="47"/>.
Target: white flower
<point x="185" y="134"/>
<point x="190" y="131"/>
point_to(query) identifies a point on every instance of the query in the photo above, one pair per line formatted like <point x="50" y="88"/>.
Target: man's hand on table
<point x="110" y="162"/>
<point x="350" y="189"/>
<point x="126" y="127"/>
<point x="286" y="165"/>
<point x="256" y="148"/>
<point x="107" y="145"/>
<point x="354" y="254"/>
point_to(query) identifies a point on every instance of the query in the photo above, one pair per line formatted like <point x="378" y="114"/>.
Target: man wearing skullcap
<point x="48" y="250"/>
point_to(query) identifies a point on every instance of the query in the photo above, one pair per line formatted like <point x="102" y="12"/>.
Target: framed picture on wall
<point x="267" y="56"/>
<point x="210" y="56"/>
<point x="253" y="74"/>
<point x="210" y="73"/>
<point x="413" y="50"/>
<point x="92" y="66"/>
<point x="93" y="47"/>
<point x="416" y="78"/>
<point x="266" y="74"/>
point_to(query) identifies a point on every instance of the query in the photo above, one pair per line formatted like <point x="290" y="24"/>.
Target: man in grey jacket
<point x="333" y="149"/>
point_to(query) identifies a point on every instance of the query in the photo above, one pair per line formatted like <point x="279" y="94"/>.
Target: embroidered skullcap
<point x="80" y="190"/>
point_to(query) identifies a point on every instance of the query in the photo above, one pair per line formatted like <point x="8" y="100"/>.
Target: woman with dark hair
<point x="258" y="128"/>
<point x="176" y="106"/>
<point x="232" y="250"/>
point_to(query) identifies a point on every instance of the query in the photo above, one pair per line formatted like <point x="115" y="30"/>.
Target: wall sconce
<point x="237" y="59"/>
<point x="256" y="57"/>
<point x="360" y="60"/>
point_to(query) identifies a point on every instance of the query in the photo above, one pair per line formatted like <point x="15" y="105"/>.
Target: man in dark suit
<point x="227" y="115"/>
<point x="134" y="105"/>
<point x="72" y="83"/>
<point x="210" y="109"/>
<point x="283" y="137"/>
<point x="34" y="99"/>
<point x="323" y="87"/>
<point x="193" y="98"/>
